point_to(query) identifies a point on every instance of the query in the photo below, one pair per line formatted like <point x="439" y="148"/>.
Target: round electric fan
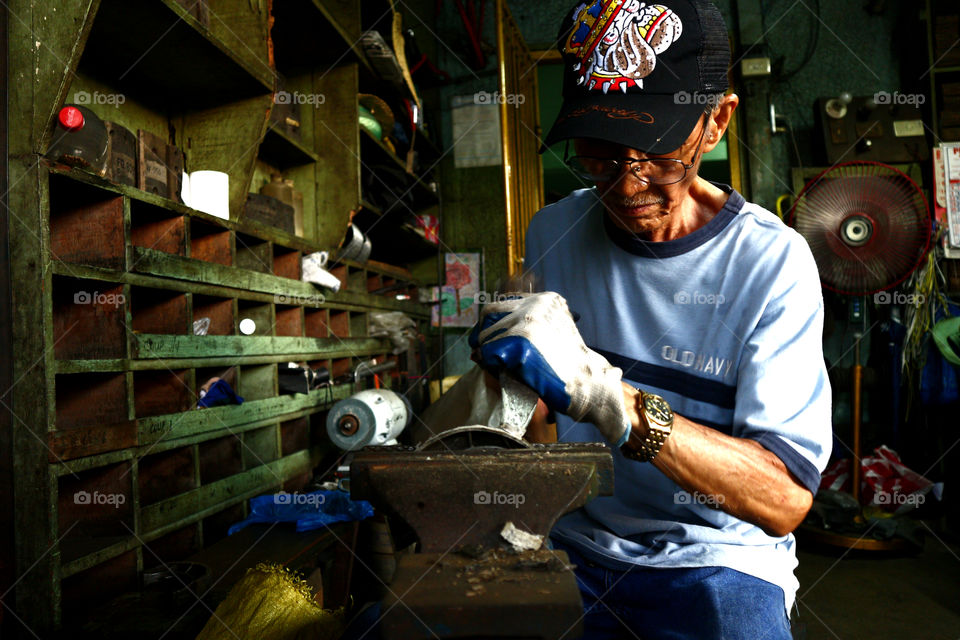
<point x="867" y="224"/>
<point x="868" y="227"/>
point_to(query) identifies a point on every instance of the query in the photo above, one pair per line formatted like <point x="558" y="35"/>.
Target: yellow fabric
<point x="270" y="602"/>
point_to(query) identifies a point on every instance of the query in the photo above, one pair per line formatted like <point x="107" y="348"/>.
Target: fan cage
<point x="881" y="263"/>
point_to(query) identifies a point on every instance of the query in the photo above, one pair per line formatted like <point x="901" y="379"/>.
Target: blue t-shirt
<point x="726" y="324"/>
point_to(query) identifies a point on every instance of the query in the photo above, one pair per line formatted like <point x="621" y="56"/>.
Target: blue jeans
<point x="706" y="603"/>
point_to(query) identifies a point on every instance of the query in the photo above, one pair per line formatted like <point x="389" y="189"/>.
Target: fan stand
<point x="846" y="541"/>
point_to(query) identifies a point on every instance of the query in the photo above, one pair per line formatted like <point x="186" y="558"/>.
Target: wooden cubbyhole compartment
<point x="260" y="312"/>
<point x="97" y="586"/>
<point x="86" y="224"/>
<point x="89" y="319"/>
<point x="374" y="282"/>
<point x="340" y="271"/>
<point x="257" y="382"/>
<point x="220" y="312"/>
<point x="253" y="254"/>
<point x="203" y="374"/>
<point x="358" y="323"/>
<point x="321" y="366"/>
<point x="339" y="323"/>
<point x="286" y="262"/>
<point x="340" y="367"/>
<point x="210" y="242"/>
<point x="166" y="474"/>
<point x="160" y="392"/>
<point x="294" y="436"/>
<point x="289" y="321"/>
<point x="356" y="279"/>
<point x="90" y="400"/>
<point x="172" y="547"/>
<point x="220" y="458"/>
<point x="156" y="228"/>
<point x="316" y="323"/>
<point x="296" y="483"/>
<point x="159" y="311"/>
<point x="259" y="446"/>
<point x="215" y="527"/>
<point x="94" y="509"/>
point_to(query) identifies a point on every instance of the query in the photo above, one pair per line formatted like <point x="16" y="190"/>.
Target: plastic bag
<point x="885" y="482"/>
<point x="309" y="510"/>
<point x="396" y="325"/>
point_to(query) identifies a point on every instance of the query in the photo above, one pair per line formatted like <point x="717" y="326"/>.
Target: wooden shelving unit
<point x="944" y="71"/>
<point x="115" y="469"/>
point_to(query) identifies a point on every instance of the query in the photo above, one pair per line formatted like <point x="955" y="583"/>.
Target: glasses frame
<point x="619" y="163"/>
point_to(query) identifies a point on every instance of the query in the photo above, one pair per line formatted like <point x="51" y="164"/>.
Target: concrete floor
<point x="857" y="594"/>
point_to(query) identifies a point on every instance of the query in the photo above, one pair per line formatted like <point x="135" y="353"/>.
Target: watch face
<point x="658" y="408"/>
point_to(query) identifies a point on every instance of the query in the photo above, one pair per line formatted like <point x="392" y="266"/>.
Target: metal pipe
<point x="371" y="368"/>
<point x="857" y="386"/>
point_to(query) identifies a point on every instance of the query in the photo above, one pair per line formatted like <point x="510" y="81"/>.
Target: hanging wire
<point x="929" y="282"/>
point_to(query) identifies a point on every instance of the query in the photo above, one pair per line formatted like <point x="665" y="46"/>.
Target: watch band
<point x="658" y="420"/>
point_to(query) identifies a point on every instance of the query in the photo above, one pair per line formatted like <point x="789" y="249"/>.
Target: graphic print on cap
<point x="616" y="42"/>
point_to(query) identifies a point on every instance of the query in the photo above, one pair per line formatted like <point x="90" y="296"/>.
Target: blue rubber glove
<point x="535" y="339"/>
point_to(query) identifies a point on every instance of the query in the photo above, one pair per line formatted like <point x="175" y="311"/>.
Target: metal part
<point x="373" y="416"/>
<point x="494" y="595"/>
<point x="370" y="368"/>
<point x="518" y="404"/>
<point x="457" y="492"/>
<point x="475" y="437"/>
<point x="464" y="497"/>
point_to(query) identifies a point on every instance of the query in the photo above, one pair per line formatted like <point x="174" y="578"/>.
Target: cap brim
<point x="657" y="124"/>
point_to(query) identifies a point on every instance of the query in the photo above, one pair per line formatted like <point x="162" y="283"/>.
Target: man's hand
<point x="534" y="338"/>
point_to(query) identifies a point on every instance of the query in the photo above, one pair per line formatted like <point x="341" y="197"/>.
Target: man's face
<point x="633" y="203"/>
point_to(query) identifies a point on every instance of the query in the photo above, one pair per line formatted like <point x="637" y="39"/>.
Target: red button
<point x="71" y="118"/>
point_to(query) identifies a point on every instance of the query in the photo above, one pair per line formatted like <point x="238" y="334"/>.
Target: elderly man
<point x="697" y="353"/>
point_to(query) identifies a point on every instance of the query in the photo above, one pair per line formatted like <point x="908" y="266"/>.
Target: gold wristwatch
<point x="657" y="417"/>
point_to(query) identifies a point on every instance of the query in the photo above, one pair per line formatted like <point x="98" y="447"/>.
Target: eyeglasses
<point x="650" y="170"/>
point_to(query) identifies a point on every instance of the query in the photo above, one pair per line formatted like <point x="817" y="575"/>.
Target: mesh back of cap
<point x="714" y="58"/>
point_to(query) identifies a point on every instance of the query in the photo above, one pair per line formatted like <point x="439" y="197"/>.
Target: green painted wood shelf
<point x="115" y="468"/>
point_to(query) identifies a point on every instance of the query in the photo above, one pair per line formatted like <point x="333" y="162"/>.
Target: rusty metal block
<point x="455" y="498"/>
<point x="497" y="595"/>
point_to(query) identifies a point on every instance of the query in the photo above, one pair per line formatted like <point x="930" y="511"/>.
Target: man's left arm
<point x="739" y="475"/>
<point x="767" y="472"/>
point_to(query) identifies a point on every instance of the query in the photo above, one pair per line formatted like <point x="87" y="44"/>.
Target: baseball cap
<point x="639" y="74"/>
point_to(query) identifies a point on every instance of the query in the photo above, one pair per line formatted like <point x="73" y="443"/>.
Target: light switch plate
<point x="907" y="128"/>
<point x="753" y="67"/>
